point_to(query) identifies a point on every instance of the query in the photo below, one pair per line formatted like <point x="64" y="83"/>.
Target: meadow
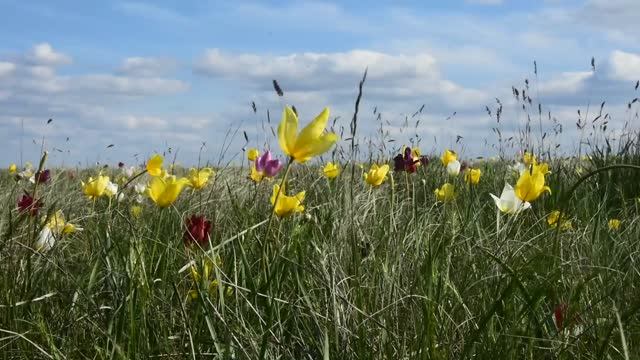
<point x="321" y="255"/>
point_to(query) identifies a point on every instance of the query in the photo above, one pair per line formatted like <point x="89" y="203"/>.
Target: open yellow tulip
<point x="286" y="205"/>
<point x="310" y="142"/>
<point x="376" y="175"/>
<point x="199" y="178"/>
<point x="331" y="170"/>
<point x="164" y="191"/>
<point x="531" y="185"/>
<point x="94" y="188"/>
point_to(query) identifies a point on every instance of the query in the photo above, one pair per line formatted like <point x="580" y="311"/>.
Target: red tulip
<point x="27" y="203"/>
<point x="197" y="230"/>
<point x="42" y="177"/>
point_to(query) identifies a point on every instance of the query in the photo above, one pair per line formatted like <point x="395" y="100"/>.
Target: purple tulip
<point x="265" y="164"/>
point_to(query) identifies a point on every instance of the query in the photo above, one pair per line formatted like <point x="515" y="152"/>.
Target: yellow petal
<point x="317" y="147"/>
<point x="287" y="130"/>
<point x="313" y="130"/>
<point x="154" y="165"/>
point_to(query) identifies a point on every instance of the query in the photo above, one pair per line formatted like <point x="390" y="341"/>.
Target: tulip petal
<point x="317" y="147"/>
<point x="287" y="130"/>
<point x="313" y="130"/>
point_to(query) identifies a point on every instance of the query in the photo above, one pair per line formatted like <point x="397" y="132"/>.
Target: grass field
<point x="363" y="272"/>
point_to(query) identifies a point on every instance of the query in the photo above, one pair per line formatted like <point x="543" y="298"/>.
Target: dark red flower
<point x="42" y="177"/>
<point x="27" y="204"/>
<point x="424" y="160"/>
<point x="120" y="165"/>
<point x="405" y="162"/>
<point x="197" y="230"/>
<point x="559" y="314"/>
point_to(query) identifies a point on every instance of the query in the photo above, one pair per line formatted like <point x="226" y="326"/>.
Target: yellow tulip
<point x="472" y="176"/>
<point x="310" y="141"/>
<point x="94" y="188"/>
<point x="415" y="153"/>
<point x="256" y="176"/>
<point x="376" y="175"/>
<point x="286" y="205"/>
<point x="448" y="156"/>
<point x="614" y="224"/>
<point x="531" y="185"/>
<point x="164" y="192"/>
<point x="252" y="154"/>
<point x="331" y="170"/>
<point x="13" y="168"/>
<point x="445" y="193"/>
<point x="554" y="219"/>
<point x="200" y="178"/>
<point x="154" y="165"/>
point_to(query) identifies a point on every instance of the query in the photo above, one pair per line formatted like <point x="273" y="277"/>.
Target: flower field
<point x="304" y="251"/>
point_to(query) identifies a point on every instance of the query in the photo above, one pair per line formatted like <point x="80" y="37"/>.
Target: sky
<point x="180" y="77"/>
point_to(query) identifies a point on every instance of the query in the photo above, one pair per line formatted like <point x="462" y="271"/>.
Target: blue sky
<point x="149" y="75"/>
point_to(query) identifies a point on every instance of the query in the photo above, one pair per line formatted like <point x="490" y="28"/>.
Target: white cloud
<point x="6" y="68"/>
<point x="566" y="83"/>
<point x="390" y="77"/>
<point x="146" y="66"/>
<point x="44" y="54"/>
<point x="624" y="66"/>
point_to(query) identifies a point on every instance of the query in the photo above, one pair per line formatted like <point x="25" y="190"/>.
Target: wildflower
<point x="94" y="188"/>
<point x="445" y="193"/>
<point x="111" y="190"/>
<point x="405" y="162"/>
<point x="164" y="191"/>
<point x="42" y="177"/>
<point x="286" y="205"/>
<point x="531" y="185"/>
<point x="129" y="171"/>
<point x="13" y="168"/>
<point x="197" y="231"/>
<point x="310" y="141"/>
<point x="508" y="202"/>
<point x="331" y="170"/>
<point x="614" y="224"/>
<point x="268" y="166"/>
<point x="559" y="312"/>
<point x="120" y="165"/>
<point x="453" y="168"/>
<point x="140" y="190"/>
<point x="424" y="160"/>
<point x="200" y="178"/>
<point x="472" y="176"/>
<point x="154" y="165"/>
<point x="55" y="226"/>
<point x="27" y="204"/>
<point x="554" y="219"/>
<point x="448" y="156"/>
<point x="27" y="172"/>
<point x="252" y="154"/>
<point x="376" y="175"/>
<point x="136" y="211"/>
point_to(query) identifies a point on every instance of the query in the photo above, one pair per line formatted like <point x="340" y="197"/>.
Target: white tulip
<point x="453" y="168"/>
<point x="508" y="202"/>
<point x="46" y="240"/>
